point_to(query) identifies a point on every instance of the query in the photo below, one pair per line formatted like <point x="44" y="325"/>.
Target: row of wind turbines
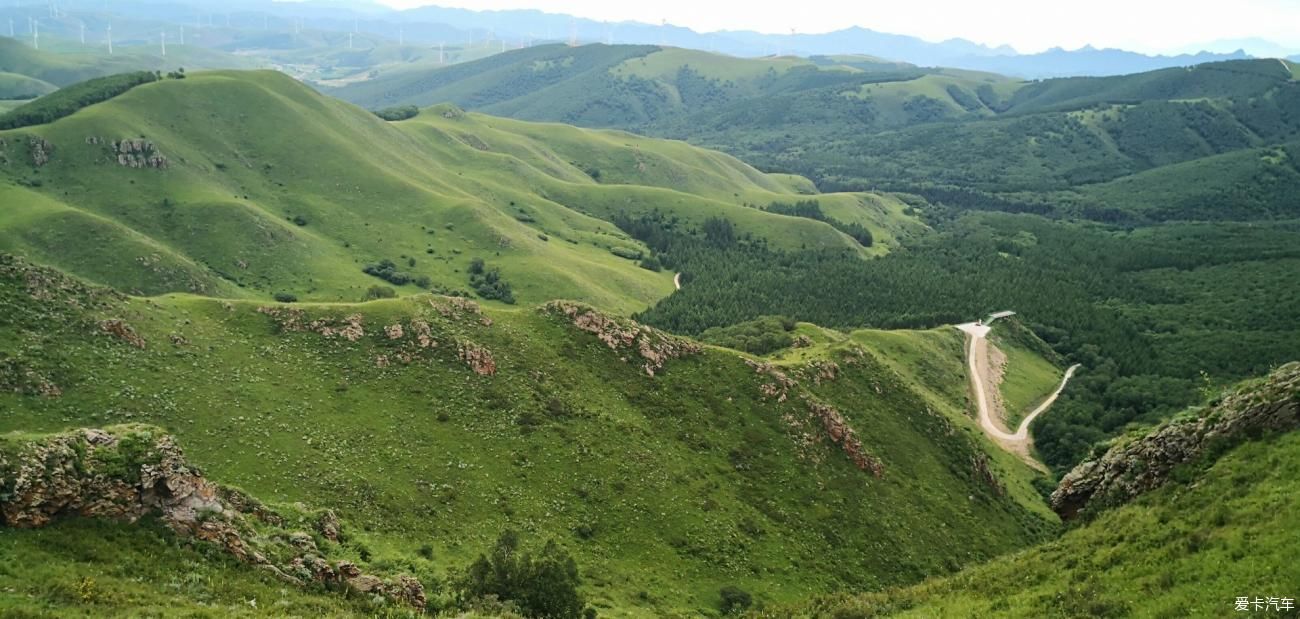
<point x="56" y="12"/>
<point x="34" y="29"/>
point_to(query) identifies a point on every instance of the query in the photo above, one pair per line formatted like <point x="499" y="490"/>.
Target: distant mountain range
<point x="1087" y="61"/>
<point x="211" y="24"/>
<point x="957" y="53"/>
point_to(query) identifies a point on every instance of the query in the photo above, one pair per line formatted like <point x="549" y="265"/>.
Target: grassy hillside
<point x="1056" y="136"/>
<point x="966" y="139"/>
<point x="505" y="419"/>
<point x="205" y="197"/>
<point x="1029" y="374"/>
<point x="15" y="86"/>
<point x="575" y="76"/>
<point x="1215" y="80"/>
<point x="666" y="90"/>
<point x="1192" y="548"/>
<point x="104" y="569"/>
<point x="65" y="68"/>
<point x="1152" y="313"/>
<point x="1256" y="183"/>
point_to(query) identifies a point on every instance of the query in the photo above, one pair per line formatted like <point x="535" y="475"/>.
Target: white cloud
<point x="1027" y="25"/>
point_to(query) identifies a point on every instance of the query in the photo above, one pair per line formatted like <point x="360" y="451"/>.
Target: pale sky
<point x="1028" y="25"/>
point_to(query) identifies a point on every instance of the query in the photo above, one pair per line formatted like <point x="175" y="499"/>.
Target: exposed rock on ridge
<point x="129" y="472"/>
<point x="1131" y="468"/>
<point x="653" y="346"/>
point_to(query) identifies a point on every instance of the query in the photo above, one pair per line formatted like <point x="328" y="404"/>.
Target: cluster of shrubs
<point x="760" y="336"/>
<point x="625" y="253"/>
<point x="387" y="270"/>
<point x="487" y="282"/>
<point x="734" y="600"/>
<point x="379" y="292"/>
<point x="451" y="292"/>
<point x="65" y="101"/>
<point x="812" y="209"/>
<point x="647" y="262"/>
<point x="533" y="585"/>
<point x="401" y="112"/>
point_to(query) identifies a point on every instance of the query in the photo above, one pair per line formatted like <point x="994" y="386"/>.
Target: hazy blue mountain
<point x="1255" y="46"/>
<point x="859" y="40"/>
<point x="1086" y="61"/>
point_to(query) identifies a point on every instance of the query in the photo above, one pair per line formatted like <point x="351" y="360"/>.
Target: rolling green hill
<point x="185" y="185"/>
<point x="1212" y="143"/>
<point x="65" y="68"/>
<point x="659" y="89"/>
<point x="1255" y="183"/>
<point x="668" y="469"/>
<point x="15" y="86"/>
<point x="156" y="242"/>
<point x="966" y="139"/>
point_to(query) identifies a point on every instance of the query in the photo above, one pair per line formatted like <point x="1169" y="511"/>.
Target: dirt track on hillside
<point x="985" y="373"/>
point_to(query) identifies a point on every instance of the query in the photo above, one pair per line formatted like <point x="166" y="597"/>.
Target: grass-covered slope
<point x="1029" y="375"/>
<point x="72" y="98"/>
<point x="249" y="184"/>
<point x="966" y="139"/>
<point x="64" y="68"/>
<point x="575" y="78"/>
<point x="1183" y="551"/>
<point x="657" y="88"/>
<point x="1255" y="183"/>
<point x="93" y="568"/>
<point x="20" y="87"/>
<point x="422" y="421"/>
<point x="1221" y="527"/>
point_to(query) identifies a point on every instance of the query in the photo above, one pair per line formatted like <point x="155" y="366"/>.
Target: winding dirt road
<point x="977" y="353"/>
<point x="677" y="281"/>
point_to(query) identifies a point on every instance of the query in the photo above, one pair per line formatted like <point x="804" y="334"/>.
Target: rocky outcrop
<point x="653" y="346"/>
<point x="477" y="358"/>
<point x="455" y="307"/>
<point x="781" y="384"/>
<point x="129" y="472"/>
<point x="842" y="435"/>
<point x="819" y="370"/>
<point x="1131" y="468"/>
<point x="118" y="328"/>
<point x="17" y="377"/>
<point x="293" y="320"/>
<point x="983" y="473"/>
<point x="40" y="150"/>
<point x="54" y="287"/>
<point x="124" y="474"/>
<point x="138" y="153"/>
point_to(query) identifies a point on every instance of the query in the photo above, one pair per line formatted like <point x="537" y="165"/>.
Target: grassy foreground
<point x="1184" y="551"/>
<point x="712" y="472"/>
